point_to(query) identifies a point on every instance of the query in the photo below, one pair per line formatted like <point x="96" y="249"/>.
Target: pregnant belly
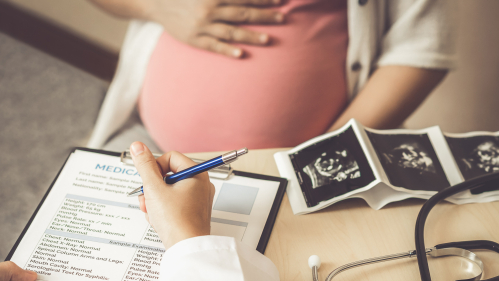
<point x="277" y="96"/>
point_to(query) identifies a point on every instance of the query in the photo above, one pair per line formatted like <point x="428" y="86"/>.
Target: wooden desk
<point x="350" y="230"/>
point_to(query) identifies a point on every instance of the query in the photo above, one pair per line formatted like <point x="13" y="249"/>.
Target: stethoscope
<point x="460" y="249"/>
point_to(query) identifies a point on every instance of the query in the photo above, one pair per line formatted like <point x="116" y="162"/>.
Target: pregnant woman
<point x="221" y="74"/>
<point x="211" y="75"/>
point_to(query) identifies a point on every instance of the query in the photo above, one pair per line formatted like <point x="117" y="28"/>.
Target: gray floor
<point x="46" y="108"/>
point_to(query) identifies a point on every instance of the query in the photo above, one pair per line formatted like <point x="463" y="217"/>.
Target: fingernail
<point x="279" y="17"/>
<point x="237" y="53"/>
<point x="264" y="38"/>
<point x="137" y="148"/>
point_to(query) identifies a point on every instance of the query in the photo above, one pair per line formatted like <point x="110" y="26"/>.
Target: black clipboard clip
<point x="222" y="172"/>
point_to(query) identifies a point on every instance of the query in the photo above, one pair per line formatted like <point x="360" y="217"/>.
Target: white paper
<point x="88" y="229"/>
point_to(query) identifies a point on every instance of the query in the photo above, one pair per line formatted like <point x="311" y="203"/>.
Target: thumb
<point x="9" y="271"/>
<point x="147" y="167"/>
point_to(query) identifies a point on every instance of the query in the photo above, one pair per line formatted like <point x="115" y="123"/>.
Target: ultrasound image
<point x="485" y="157"/>
<point x="332" y="167"/>
<point x="410" y="156"/>
<point x="409" y="161"/>
<point x="476" y="156"/>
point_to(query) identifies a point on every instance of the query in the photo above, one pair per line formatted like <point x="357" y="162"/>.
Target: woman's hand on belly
<point x="212" y="24"/>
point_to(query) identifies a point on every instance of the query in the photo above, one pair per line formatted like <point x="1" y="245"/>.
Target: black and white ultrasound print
<point x="409" y="161"/>
<point x="475" y="156"/>
<point x="332" y="167"/>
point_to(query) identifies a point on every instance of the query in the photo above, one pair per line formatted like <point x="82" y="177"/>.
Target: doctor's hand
<point x="176" y="211"/>
<point x="9" y="271"/>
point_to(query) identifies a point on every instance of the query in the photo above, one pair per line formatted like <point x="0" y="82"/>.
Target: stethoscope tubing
<point x="450" y="249"/>
<point x="424" y="270"/>
<point x="461" y="248"/>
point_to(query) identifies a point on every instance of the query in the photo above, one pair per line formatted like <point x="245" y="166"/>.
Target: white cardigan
<point x="419" y="33"/>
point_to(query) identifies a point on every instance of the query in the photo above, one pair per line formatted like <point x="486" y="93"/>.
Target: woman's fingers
<point x="211" y="44"/>
<point x="210" y="24"/>
<point x="243" y="14"/>
<point x="251" y="2"/>
<point x="230" y="33"/>
<point x="214" y="36"/>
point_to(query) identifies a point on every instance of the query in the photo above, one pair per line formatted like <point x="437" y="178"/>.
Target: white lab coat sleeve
<point x="215" y="258"/>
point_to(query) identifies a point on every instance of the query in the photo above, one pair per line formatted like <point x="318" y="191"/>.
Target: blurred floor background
<point x="60" y="101"/>
<point x="80" y="17"/>
<point x="46" y="108"/>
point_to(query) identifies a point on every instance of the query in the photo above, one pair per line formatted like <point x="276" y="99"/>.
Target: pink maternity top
<point x="277" y="96"/>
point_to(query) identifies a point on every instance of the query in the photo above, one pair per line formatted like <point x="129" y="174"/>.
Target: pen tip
<point x="242" y="151"/>
<point x="135" y="192"/>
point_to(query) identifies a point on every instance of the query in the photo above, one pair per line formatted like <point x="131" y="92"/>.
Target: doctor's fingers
<point x="149" y="170"/>
<point x="174" y="161"/>
<point x="9" y="271"/>
<point x="146" y="215"/>
<point x="142" y="203"/>
<point x="247" y="15"/>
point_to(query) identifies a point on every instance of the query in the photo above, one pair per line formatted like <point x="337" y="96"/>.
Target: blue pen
<point x="224" y="159"/>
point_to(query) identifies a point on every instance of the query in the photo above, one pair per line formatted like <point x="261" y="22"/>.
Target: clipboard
<point x="265" y="235"/>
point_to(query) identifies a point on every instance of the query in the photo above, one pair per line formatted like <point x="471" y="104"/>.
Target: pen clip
<point x="221" y="172"/>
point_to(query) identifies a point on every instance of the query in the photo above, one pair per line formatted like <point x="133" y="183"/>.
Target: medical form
<point x="86" y="228"/>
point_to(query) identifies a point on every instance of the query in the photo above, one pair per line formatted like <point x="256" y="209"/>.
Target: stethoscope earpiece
<point x="314" y="260"/>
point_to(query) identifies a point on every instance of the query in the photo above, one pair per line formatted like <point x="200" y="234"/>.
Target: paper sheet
<point x="88" y="229"/>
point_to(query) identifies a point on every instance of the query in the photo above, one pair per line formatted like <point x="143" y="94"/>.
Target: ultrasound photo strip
<point x="383" y="166"/>
<point x="331" y="167"/>
<point x="409" y="161"/>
